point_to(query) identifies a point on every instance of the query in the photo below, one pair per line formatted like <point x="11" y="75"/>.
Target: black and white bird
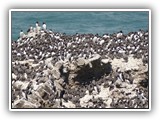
<point x="119" y="34"/>
<point x="21" y="34"/>
<point x="37" y="24"/>
<point x="120" y="75"/>
<point x="44" y="26"/>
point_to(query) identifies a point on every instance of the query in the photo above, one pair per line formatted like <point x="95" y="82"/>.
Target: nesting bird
<point x="67" y="49"/>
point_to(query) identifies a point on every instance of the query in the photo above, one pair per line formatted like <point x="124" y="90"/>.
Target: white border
<point x="10" y="78"/>
<point x="80" y="10"/>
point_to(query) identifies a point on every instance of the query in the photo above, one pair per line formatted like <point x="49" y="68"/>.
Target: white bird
<point x="31" y="29"/>
<point x="77" y="38"/>
<point x="120" y="34"/>
<point x="21" y="34"/>
<point x="34" y="29"/>
<point x="84" y="55"/>
<point x="68" y="56"/>
<point x="68" y="45"/>
<point x="38" y="28"/>
<point x="37" y="24"/>
<point x="18" y="54"/>
<point x="40" y="53"/>
<point x="101" y="42"/>
<point x="36" y="57"/>
<point x="24" y="52"/>
<point x="53" y="53"/>
<point x="50" y="47"/>
<point x="95" y="39"/>
<point x="106" y="36"/>
<point x="57" y="37"/>
<point x="128" y="47"/>
<point x="44" y="26"/>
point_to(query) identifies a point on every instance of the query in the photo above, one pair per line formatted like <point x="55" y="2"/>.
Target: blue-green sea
<point x="80" y="22"/>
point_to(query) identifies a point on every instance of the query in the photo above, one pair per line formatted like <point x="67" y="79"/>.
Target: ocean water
<point x="80" y="22"/>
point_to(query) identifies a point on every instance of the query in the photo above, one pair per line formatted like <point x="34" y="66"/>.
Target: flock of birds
<point x="70" y="47"/>
<point x="62" y="47"/>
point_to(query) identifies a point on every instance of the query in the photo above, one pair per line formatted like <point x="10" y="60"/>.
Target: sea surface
<point x="80" y="22"/>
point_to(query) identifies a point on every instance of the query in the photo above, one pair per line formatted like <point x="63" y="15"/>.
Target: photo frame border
<point x="77" y="109"/>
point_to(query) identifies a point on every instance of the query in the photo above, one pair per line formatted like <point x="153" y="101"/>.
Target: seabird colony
<point x="55" y="70"/>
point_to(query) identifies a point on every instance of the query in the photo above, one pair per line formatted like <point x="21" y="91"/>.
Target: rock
<point x="20" y="85"/>
<point x="41" y="90"/>
<point x="104" y="93"/>
<point x="25" y="76"/>
<point x="47" y="74"/>
<point x="72" y="67"/>
<point x="90" y="104"/>
<point x="71" y="78"/>
<point x="48" y="87"/>
<point x="23" y="104"/>
<point x="48" y="62"/>
<point x="84" y="100"/>
<point x="80" y="61"/>
<point x="68" y="104"/>
<point x="95" y="57"/>
<point x="14" y="76"/>
<point x="57" y="85"/>
<point x="50" y="66"/>
<point x="105" y="61"/>
<point x="60" y="81"/>
<point x="35" y="98"/>
<point x="29" y="61"/>
<point x="58" y="64"/>
<point x="55" y="73"/>
<point x="132" y="64"/>
<point x="108" y="102"/>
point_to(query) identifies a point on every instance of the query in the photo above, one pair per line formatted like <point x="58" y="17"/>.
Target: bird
<point x="37" y="24"/>
<point x="44" y="27"/>
<point x="21" y="34"/>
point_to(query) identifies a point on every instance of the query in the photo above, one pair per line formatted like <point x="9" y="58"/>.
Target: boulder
<point x="80" y="61"/>
<point x="20" y="85"/>
<point x="23" y="104"/>
<point x="55" y="73"/>
<point x="57" y="85"/>
<point x="58" y="64"/>
<point x="48" y="62"/>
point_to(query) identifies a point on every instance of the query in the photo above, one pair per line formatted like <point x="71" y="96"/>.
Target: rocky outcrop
<point x="42" y="78"/>
<point x="44" y="91"/>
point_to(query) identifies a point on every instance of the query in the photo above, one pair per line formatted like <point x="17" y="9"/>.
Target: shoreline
<point x="89" y="33"/>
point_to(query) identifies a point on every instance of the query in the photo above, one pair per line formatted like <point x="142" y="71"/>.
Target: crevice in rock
<point x="87" y="74"/>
